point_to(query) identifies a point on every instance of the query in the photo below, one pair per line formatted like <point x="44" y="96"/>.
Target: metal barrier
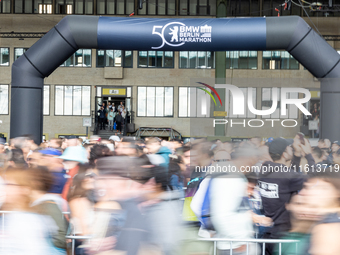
<point x="3" y="220"/>
<point x="74" y="238"/>
<point x="263" y="241"/>
<point x="215" y="240"/>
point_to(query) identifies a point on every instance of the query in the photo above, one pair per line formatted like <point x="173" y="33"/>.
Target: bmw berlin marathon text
<point x="176" y="34"/>
<point x="238" y="107"/>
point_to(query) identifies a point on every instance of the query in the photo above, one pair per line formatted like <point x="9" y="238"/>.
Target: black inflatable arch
<point x="291" y="33"/>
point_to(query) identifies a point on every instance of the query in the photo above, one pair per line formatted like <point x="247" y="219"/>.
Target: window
<point x="46" y="100"/>
<point x="72" y="100"/>
<point x="83" y="6"/>
<point x="196" y="59"/>
<point x="33" y="6"/>
<point x="156" y="59"/>
<point x="4" y="95"/>
<point x="155" y="101"/>
<point x="241" y="59"/>
<point x="197" y="7"/>
<point x="4" y="56"/>
<point x="267" y="102"/>
<point x="81" y="58"/>
<point x="229" y="103"/>
<point x="18" y="6"/>
<point x="115" y="6"/>
<point x="45" y="8"/>
<point x="18" y="52"/>
<point x="114" y="58"/>
<point x="193" y="102"/>
<point x="5" y="6"/>
<point x="64" y="6"/>
<point x="279" y="60"/>
<point x="158" y="7"/>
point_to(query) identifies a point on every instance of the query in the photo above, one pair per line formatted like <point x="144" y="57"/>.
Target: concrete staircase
<point x="105" y="134"/>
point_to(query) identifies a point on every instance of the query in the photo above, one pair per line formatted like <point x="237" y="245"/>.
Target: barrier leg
<point x="247" y="248"/>
<point x="279" y="248"/>
<point x="3" y="223"/>
<point x="264" y="249"/>
<point x="215" y="248"/>
<point x="296" y="248"/>
<point x="231" y="248"/>
<point x="73" y="246"/>
<point x="3" y="229"/>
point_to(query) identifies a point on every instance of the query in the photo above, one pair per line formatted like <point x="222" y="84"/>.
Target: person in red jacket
<point x="72" y="156"/>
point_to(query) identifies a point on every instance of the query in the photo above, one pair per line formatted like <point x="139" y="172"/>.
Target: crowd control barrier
<point x="247" y="241"/>
<point x="73" y="238"/>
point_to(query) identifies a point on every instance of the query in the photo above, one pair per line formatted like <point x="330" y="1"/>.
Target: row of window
<point x="165" y="59"/>
<point x="154" y="102"/>
<point x="153" y="7"/>
<point x="193" y="102"/>
<point x="111" y="7"/>
<point x="69" y="100"/>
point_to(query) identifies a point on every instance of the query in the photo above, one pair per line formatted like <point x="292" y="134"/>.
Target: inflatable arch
<point x="290" y="33"/>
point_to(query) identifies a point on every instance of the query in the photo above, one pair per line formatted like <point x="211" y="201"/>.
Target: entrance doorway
<point x="115" y="95"/>
<point x="114" y="100"/>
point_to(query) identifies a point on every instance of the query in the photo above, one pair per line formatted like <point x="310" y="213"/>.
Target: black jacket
<point x="277" y="187"/>
<point x="102" y="113"/>
<point x="119" y="118"/>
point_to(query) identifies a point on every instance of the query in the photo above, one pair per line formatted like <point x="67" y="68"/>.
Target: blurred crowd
<point x="140" y="196"/>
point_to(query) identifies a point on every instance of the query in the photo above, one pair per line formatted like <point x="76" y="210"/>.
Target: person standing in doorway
<point x="110" y="118"/>
<point x="102" y="118"/>
<point x="107" y="110"/>
<point x="119" y="121"/>
<point x="120" y="107"/>
<point x="114" y="107"/>
<point x="123" y="112"/>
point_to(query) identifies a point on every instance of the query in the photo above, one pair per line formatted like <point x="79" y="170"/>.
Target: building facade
<point x="153" y="85"/>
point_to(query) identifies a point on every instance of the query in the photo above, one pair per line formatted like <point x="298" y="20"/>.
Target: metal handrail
<point x="249" y="240"/>
<point x="78" y="237"/>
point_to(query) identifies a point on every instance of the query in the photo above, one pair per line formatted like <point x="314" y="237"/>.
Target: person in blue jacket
<point x="154" y="146"/>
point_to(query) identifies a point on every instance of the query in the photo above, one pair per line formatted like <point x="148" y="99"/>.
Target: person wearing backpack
<point x="26" y="231"/>
<point x="47" y="204"/>
<point x="119" y="121"/>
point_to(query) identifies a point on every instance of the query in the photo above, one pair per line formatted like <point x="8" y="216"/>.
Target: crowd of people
<point x="111" y="116"/>
<point x="137" y="196"/>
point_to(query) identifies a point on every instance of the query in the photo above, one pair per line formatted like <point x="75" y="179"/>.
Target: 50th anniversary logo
<point x="176" y="34"/>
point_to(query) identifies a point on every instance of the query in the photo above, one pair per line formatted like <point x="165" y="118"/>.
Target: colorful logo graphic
<point x="213" y="90"/>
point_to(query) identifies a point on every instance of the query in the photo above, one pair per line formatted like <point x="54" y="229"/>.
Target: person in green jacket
<point x="48" y="204"/>
<point x="300" y="230"/>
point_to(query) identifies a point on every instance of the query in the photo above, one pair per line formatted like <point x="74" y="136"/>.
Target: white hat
<point x="114" y="138"/>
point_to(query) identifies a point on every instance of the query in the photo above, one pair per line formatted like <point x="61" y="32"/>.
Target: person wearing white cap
<point x="72" y="156"/>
